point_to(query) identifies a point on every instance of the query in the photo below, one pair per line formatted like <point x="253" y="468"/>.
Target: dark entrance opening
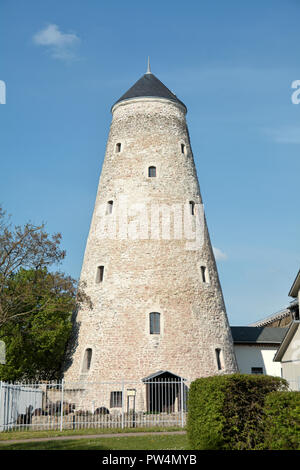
<point x="165" y="392"/>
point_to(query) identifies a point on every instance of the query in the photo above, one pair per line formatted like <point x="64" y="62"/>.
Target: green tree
<point x="36" y="305"/>
<point x="36" y="341"/>
<point x="27" y="247"/>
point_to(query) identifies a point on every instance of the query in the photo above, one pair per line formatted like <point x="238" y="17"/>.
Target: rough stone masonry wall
<point x="143" y="276"/>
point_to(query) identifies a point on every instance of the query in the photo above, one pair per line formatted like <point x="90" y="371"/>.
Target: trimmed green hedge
<point x="227" y="411"/>
<point x="282" y="421"/>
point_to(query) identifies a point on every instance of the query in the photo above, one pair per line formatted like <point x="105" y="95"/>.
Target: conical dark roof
<point x="149" y="85"/>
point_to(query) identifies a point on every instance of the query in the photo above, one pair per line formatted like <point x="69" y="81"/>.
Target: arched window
<point x="109" y="207"/>
<point x="192" y="207"/>
<point x="218" y="357"/>
<point x="152" y="171"/>
<point x="87" y="360"/>
<point x="100" y="274"/>
<point x="154" y="323"/>
<point x="118" y="147"/>
<point x="183" y="148"/>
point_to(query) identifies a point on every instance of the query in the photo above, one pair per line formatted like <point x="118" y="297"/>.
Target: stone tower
<point x="149" y="267"/>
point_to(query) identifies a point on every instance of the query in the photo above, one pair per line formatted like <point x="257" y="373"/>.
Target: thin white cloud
<point x="284" y="134"/>
<point x="61" y="45"/>
<point x="219" y="254"/>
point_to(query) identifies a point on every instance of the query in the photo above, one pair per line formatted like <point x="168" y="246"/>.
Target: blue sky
<point x="232" y="63"/>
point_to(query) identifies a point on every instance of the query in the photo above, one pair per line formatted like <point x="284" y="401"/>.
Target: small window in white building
<point x="257" y="370"/>
<point x="154" y="323"/>
<point x="152" y="171"/>
<point x="182" y="148"/>
<point x="118" y="147"/>
<point x="203" y="273"/>
<point x="218" y="357"/>
<point x="87" y="360"/>
<point x="100" y="274"/>
<point x="116" y="399"/>
<point x="109" y="207"/>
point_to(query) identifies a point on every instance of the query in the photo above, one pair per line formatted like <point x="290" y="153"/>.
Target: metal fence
<point x="79" y="405"/>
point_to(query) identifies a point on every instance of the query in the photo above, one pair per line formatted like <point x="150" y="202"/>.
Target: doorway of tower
<point x="165" y="392"/>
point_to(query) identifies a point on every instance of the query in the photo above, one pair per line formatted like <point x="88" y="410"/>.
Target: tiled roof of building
<point x="286" y="312"/>
<point x="254" y="334"/>
<point x="271" y="318"/>
<point x="149" y="86"/>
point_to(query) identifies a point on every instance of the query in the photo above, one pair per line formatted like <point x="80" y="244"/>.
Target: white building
<point x="272" y="345"/>
<point x="255" y="348"/>
<point x="288" y="354"/>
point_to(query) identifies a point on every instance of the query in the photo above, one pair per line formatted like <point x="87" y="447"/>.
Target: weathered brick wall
<point x="149" y="275"/>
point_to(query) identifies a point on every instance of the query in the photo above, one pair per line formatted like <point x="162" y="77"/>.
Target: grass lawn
<point x="14" y="435"/>
<point x="161" y="442"/>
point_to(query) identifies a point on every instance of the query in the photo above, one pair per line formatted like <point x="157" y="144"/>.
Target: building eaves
<point x="296" y="286"/>
<point x="162" y="373"/>
<point x="286" y="340"/>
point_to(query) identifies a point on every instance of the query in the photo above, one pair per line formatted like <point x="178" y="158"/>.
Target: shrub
<point x="282" y="421"/>
<point x="227" y="411"/>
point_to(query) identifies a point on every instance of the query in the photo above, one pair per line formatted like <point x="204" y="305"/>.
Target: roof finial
<point x="148" y="66"/>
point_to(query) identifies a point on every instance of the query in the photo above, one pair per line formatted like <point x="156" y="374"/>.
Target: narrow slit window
<point x="109" y="207"/>
<point x="182" y="148"/>
<point x="218" y="357"/>
<point x="100" y="274"/>
<point x="152" y="171"/>
<point x="154" y="323"/>
<point x="87" y="360"/>
<point x="192" y="207"/>
<point x="118" y="147"/>
<point x="203" y="273"/>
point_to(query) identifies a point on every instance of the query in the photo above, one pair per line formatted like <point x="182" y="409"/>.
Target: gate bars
<point x="80" y="405"/>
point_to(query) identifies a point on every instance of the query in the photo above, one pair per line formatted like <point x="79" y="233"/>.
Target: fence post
<point x="62" y="405"/>
<point x="123" y="389"/>
<point x="1" y="414"/>
<point x="181" y="399"/>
